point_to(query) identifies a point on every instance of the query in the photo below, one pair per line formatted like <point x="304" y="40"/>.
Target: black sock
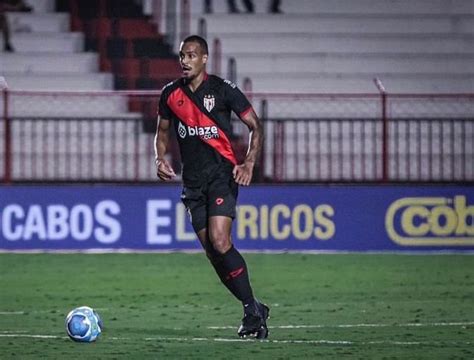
<point x="219" y="267"/>
<point x="236" y="275"/>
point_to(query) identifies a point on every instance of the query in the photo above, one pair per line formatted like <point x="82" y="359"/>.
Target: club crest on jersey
<point x="209" y="102"/>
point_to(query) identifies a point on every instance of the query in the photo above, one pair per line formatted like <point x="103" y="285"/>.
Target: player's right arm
<point x="163" y="169"/>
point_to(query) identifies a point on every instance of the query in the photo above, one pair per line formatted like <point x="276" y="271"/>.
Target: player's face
<point x="192" y="59"/>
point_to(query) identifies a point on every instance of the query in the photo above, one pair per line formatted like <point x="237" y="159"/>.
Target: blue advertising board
<point x="270" y="217"/>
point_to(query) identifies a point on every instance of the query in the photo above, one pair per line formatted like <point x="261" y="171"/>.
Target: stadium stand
<point x="49" y="57"/>
<point x="324" y="47"/>
<point x="327" y="46"/>
<point x="415" y="47"/>
<point x="129" y="46"/>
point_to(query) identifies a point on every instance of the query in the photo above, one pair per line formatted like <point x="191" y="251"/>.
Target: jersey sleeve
<point x="235" y="99"/>
<point x="163" y="108"/>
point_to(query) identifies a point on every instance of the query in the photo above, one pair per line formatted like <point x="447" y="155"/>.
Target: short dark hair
<point x="198" y="39"/>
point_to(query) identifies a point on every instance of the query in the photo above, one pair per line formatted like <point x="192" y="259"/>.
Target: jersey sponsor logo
<point x="181" y="130"/>
<point x="204" y="132"/>
<point x="209" y="102"/>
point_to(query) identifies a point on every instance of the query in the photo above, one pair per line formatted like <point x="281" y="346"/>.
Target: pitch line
<point x="435" y="324"/>
<point x="32" y="336"/>
<point x="12" y="332"/>
<point x="236" y="340"/>
<point x="53" y="311"/>
<point x="12" y="312"/>
<point x="268" y="341"/>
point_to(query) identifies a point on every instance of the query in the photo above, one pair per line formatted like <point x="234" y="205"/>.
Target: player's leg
<point x="275" y="6"/>
<point x="249" y="6"/>
<point x="195" y="201"/>
<point x="222" y="199"/>
<point x="208" y="6"/>
<point x="255" y="313"/>
<point x="222" y="196"/>
<point x="232" y="7"/>
<point x="236" y="273"/>
<point x="216" y="260"/>
<point x="5" y="31"/>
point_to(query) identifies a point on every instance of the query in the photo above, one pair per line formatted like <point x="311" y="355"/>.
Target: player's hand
<point x="243" y="173"/>
<point x="164" y="170"/>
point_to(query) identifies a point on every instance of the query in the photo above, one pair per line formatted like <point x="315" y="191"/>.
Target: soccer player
<point x="199" y="107"/>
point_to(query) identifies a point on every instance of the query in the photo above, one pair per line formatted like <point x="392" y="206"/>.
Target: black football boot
<point x="254" y="322"/>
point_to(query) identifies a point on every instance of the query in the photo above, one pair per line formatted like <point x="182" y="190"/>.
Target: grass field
<point x="171" y="306"/>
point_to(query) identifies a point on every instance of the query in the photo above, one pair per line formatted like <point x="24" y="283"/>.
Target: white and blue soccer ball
<point x="83" y="324"/>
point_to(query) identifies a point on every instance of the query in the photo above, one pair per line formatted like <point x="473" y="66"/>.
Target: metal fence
<point x="108" y="137"/>
<point x="370" y="138"/>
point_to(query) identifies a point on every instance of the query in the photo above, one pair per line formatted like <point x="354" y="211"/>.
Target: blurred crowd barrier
<point x="108" y="137"/>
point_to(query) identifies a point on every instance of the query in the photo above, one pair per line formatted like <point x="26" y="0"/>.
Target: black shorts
<point x="217" y="197"/>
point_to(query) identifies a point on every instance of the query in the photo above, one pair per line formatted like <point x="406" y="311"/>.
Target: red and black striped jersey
<point x="201" y="120"/>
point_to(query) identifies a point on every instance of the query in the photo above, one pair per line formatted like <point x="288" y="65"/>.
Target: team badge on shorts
<point x="209" y="102"/>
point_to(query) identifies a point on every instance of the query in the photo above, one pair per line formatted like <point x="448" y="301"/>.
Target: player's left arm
<point x="243" y="172"/>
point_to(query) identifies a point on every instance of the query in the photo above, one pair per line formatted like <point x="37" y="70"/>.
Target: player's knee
<point x="222" y="247"/>
<point x="220" y="241"/>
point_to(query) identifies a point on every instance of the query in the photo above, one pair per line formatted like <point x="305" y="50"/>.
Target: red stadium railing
<point x="108" y="137"/>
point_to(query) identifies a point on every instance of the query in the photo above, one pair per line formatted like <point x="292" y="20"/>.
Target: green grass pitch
<point x="172" y="306"/>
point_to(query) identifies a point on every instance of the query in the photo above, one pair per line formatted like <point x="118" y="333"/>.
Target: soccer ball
<point x="83" y="324"/>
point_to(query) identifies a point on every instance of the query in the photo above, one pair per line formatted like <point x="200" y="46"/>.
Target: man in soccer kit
<point x="199" y="107"/>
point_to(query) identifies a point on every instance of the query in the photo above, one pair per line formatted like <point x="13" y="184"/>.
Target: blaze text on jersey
<point x="204" y="132"/>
